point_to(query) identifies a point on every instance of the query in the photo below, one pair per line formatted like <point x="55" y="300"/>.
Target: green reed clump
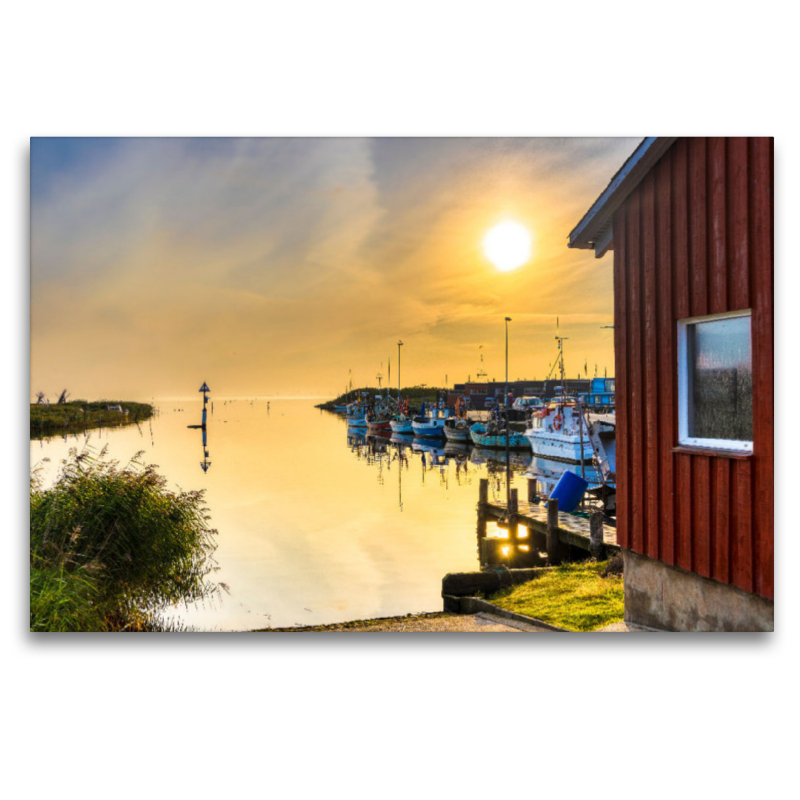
<point x="78" y="416"/>
<point x="111" y="546"/>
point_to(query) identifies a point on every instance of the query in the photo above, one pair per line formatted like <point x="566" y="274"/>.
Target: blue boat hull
<point x="428" y="431"/>
<point x="516" y="441"/>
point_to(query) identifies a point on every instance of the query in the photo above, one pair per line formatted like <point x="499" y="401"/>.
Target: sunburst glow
<point x="507" y="246"/>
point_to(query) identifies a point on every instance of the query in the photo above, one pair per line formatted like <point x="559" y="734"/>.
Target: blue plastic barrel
<point x="569" y="491"/>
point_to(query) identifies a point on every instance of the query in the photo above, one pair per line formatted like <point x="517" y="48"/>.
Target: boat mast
<point x="399" y="345"/>
<point x="561" y="340"/>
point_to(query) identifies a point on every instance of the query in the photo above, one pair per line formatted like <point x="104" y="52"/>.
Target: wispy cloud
<point x="279" y="264"/>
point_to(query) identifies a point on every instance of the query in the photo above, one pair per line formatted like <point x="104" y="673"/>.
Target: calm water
<point x="317" y="524"/>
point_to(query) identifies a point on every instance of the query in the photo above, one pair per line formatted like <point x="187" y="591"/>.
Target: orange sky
<point x="276" y="266"/>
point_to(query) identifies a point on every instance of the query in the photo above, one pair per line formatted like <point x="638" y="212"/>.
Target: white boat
<point x="555" y="432"/>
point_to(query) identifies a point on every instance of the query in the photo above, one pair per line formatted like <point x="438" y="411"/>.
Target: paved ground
<point x="625" y="627"/>
<point x="426" y="623"/>
<point x="444" y="623"/>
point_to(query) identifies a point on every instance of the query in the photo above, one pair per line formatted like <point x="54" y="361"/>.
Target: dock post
<point x="513" y="519"/>
<point x="483" y="492"/>
<point x="596" y="534"/>
<point x="483" y="499"/>
<point x="552" y="532"/>
<point x="532" y="496"/>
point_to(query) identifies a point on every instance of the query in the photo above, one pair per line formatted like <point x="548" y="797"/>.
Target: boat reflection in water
<point x="518" y="460"/>
<point x="402" y="449"/>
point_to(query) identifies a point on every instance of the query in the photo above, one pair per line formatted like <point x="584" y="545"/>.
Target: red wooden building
<point x="690" y="222"/>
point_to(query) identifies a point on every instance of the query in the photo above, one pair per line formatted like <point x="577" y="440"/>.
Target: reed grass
<point x="112" y="546"/>
<point x="79" y="415"/>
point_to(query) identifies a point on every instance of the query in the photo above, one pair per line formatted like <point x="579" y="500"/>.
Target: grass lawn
<point x="573" y="596"/>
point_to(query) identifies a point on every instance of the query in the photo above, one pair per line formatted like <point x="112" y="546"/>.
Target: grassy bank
<point x="416" y="395"/>
<point x="579" y="597"/>
<point x="79" y="415"/>
<point x="111" y="547"/>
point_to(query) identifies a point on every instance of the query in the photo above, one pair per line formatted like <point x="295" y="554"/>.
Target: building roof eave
<point x="595" y="231"/>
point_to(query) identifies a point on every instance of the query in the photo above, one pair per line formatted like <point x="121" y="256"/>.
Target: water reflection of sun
<point x="507" y="246"/>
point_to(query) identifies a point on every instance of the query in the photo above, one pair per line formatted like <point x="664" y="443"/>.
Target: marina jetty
<point x="547" y="533"/>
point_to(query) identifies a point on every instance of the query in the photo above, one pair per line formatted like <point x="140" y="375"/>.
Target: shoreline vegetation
<point x="416" y="395"/>
<point x="78" y="416"/>
<point x="111" y="547"/>
<point x="580" y="597"/>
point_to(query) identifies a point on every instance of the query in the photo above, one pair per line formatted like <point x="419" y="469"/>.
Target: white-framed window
<point x="715" y="382"/>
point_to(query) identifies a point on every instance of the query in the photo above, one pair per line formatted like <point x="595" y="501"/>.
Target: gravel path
<point x="424" y="623"/>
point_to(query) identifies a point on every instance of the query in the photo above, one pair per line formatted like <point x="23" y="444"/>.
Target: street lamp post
<point x="505" y="399"/>
<point x="506" y="410"/>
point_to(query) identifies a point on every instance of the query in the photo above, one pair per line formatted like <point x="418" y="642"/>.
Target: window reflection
<point x="720" y="398"/>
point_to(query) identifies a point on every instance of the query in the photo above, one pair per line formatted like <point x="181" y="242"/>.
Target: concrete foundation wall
<point x="669" y="598"/>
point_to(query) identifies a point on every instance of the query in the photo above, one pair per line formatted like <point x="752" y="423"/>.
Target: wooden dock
<point x="548" y="530"/>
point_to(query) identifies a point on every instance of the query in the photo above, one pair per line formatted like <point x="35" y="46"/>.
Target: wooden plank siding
<point x="622" y="370"/>
<point x="695" y="237"/>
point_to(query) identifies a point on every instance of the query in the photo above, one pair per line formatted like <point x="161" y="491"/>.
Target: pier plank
<point x="572" y="530"/>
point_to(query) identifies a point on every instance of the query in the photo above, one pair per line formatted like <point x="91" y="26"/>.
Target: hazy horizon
<point x="287" y="266"/>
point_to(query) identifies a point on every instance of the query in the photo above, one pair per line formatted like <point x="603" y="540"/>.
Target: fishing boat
<point x="430" y="425"/>
<point x="558" y="432"/>
<point x="456" y="427"/>
<point x="401" y="422"/>
<point x="356" y="415"/>
<point x="456" y="430"/>
<point x="380" y="415"/>
<point x="493" y="436"/>
<point x="378" y="426"/>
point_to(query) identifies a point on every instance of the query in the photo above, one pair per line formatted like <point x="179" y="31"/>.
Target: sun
<point x="507" y="246"/>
